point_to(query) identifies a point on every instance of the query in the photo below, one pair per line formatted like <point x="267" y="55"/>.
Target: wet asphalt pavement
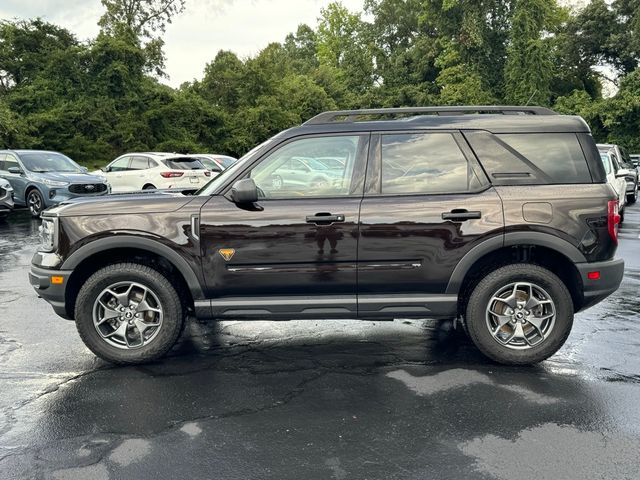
<point x="316" y="400"/>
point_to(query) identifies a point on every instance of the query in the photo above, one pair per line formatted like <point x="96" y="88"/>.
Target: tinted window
<point x="139" y="163"/>
<point x="424" y="163"/>
<point x="184" y="163"/>
<point x="531" y="158"/>
<point x="294" y="171"/>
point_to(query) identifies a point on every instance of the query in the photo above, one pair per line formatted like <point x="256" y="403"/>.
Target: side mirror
<point x="15" y="170"/>
<point x="84" y="169"/>
<point x="244" y="191"/>
<point x="623" y="172"/>
<point x="105" y="169"/>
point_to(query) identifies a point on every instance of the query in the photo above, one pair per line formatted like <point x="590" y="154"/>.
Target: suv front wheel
<point x="128" y="313"/>
<point x="519" y="314"/>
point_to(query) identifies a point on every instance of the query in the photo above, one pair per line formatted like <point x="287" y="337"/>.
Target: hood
<point x="121" y="204"/>
<point x="69" y="177"/>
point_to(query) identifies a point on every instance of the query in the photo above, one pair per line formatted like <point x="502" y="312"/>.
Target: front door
<point x="294" y="253"/>
<point x="427" y="203"/>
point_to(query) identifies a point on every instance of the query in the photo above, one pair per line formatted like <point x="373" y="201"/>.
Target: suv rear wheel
<point x="519" y="314"/>
<point x="128" y="313"/>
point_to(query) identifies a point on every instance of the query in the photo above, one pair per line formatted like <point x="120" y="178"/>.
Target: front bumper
<point x="54" y="293"/>
<point x="594" y="291"/>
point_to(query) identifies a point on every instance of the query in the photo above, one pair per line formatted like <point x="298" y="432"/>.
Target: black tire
<point x="633" y="198"/>
<point x="621" y="213"/>
<point x="171" y="305"/>
<point x="480" y="298"/>
<point x="35" y="202"/>
<point x="149" y="186"/>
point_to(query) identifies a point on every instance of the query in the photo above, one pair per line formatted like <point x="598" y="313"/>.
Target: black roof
<point x="495" y="119"/>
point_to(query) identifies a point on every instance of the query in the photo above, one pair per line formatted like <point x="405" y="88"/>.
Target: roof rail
<point x="352" y="115"/>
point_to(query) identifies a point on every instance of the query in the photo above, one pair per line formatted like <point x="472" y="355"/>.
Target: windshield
<point x="218" y="181"/>
<point x="41" y="162"/>
<point x="226" y="161"/>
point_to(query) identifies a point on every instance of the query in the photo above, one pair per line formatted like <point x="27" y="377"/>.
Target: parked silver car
<point x="623" y="164"/>
<point x="6" y="198"/>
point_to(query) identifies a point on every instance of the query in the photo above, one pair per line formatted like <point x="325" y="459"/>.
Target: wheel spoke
<point x="501" y="320"/>
<point x="121" y="331"/>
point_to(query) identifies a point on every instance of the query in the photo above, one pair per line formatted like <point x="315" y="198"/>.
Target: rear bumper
<point x="40" y="279"/>
<point x="594" y="291"/>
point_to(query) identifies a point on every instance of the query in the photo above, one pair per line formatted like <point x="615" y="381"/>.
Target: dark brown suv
<point x="497" y="216"/>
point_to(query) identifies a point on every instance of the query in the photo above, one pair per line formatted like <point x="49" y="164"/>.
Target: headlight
<point x="49" y="234"/>
<point x="54" y="183"/>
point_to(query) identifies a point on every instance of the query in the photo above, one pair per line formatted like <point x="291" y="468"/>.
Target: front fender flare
<point x="132" y="241"/>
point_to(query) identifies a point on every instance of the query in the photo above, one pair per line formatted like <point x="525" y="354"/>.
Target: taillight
<point x="171" y="174"/>
<point x="613" y="219"/>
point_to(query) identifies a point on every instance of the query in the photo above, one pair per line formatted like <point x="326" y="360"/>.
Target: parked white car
<point x="153" y="170"/>
<point x="615" y="178"/>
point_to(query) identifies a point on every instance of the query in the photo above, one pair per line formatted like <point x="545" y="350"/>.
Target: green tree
<point x="141" y="22"/>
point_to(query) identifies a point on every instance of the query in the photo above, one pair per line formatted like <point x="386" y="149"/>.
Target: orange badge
<point x="227" y="253"/>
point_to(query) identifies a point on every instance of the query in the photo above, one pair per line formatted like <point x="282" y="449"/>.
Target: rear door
<point x="427" y="203"/>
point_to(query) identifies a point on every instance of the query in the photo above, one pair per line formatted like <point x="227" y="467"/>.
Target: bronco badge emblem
<point x="227" y="253"/>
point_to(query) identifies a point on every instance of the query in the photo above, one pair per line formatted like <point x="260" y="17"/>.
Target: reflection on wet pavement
<point x="315" y="399"/>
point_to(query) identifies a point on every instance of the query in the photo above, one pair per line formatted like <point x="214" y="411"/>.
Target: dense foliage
<point x="95" y="100"/>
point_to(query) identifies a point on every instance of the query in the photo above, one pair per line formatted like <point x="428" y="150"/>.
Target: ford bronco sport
<point x="499" y="217"/>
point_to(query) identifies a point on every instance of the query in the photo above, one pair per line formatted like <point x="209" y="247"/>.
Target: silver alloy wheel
<point x="35" y="202"/>
<point x="127" y="315"/>
<point x="520" y="315"/>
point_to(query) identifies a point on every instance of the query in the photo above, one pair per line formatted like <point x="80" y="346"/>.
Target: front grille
<point x="87" y="188"/>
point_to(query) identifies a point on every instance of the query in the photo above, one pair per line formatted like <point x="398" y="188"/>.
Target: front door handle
<point x="460" y="215"/>
<point x="324" y="218"/>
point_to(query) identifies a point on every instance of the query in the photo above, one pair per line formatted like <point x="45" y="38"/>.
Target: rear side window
<point x="531" y="158"/>
<point x="139" y="163"/>
<point x="424" y="163"/>
<point x="184" y="164"/>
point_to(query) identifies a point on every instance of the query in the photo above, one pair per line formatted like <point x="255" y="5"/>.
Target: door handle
<point x="324" y="218"/>
<point x="460" y="215"/>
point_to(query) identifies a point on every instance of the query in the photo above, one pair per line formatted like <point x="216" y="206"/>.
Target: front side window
<point x="120" y="165"/>
<point x="295" y="170"/>
<point x="424" y="163"/>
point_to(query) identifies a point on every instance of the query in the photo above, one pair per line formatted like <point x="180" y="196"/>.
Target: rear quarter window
<point x="531" y="158"/>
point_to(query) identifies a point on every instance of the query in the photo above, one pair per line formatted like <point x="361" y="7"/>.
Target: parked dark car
<point x="499" y="217"/>
<point x="623" y="165"/>
<point x="41" y="178"/>
<point x="6" y="198"/>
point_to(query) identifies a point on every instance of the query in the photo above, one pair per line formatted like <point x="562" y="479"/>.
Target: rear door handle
<point x="461" y="215"/>
<point x="324" y="218"/>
